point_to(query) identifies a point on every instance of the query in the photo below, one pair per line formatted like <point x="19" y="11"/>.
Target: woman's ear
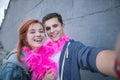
<point x="26" y="40"/>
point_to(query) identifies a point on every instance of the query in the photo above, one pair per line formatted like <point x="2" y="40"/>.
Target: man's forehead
<point x="51" y="22"/>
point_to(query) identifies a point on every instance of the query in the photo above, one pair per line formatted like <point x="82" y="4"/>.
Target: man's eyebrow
<point x="55" y="24"/>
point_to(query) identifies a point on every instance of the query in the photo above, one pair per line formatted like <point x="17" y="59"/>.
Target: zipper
<point x="63" y="63"/>
<point x="66" y="52"/>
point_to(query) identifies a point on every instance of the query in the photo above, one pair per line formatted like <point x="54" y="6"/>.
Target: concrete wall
<point x="93" y="22"/>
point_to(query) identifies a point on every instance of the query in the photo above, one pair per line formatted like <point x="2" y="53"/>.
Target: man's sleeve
<point x="87" y="58"/>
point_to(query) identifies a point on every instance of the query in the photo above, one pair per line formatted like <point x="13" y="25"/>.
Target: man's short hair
<point x="52" y="15"/>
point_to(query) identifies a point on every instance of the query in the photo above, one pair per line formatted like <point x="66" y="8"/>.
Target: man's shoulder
<point x="76" y="43"/>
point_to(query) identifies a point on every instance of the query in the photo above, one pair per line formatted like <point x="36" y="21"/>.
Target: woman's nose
<point x="38" y="34"/>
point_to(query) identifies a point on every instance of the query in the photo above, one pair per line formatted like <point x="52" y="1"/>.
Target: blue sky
<point x="3" y="5"/>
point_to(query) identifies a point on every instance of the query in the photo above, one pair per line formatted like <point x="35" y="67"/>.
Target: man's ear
<point x="63" y="25"/>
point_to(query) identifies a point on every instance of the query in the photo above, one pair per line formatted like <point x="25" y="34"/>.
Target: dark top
<point x="78" y="57"/>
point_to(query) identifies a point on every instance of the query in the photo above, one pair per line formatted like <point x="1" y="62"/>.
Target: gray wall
<point x="93" y="22"/>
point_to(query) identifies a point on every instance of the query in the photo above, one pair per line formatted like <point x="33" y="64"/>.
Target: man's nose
<point x="51" y="30"/>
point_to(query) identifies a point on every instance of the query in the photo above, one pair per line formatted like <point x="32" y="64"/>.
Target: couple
<point x="61" y="58"/>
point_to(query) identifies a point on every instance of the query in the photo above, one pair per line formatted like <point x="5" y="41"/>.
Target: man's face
<point x="54" y="29"/>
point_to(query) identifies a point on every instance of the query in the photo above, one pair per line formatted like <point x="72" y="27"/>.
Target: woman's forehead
<point x="36" y="26"/>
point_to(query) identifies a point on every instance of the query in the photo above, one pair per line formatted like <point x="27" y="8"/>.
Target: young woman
<point x="37" y="56"/>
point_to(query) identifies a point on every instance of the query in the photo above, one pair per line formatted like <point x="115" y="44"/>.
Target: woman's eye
<point x="32" y="32"/>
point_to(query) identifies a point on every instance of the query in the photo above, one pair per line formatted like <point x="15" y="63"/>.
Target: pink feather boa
<point x="58" y="45"/>
<point x="38" y="61"/>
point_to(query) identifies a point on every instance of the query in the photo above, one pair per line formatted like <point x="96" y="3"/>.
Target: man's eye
<point x="56" y="25"/>
<point x="47" y="28"/>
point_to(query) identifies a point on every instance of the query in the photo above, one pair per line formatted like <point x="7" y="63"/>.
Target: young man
<point x="73" y="55"/>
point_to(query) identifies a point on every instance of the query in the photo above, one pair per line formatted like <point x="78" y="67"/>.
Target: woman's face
<point x="35" y="35"/>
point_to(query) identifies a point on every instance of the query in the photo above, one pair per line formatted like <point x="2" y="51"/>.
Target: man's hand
<point x="49" y="75"/>
<point x="117" y="49"/>
<point x="117" y="61"/>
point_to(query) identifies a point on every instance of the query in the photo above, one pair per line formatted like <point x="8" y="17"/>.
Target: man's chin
<point x="54" y="40"/>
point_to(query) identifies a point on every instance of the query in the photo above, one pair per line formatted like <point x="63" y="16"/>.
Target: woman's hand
<point x="49" y="75"/>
